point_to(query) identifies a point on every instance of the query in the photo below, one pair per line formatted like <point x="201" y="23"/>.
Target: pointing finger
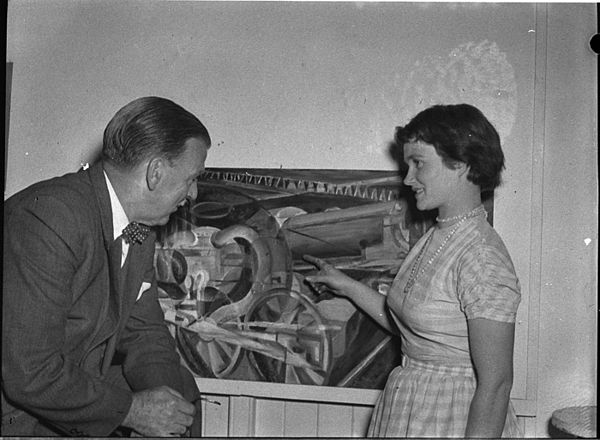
<point x="314" y="260"/>
<point x="319" y="262"/>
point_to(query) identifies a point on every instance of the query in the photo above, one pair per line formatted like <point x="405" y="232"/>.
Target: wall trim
<point x="316" y="394"/>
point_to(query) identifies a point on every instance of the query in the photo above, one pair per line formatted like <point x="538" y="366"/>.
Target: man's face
<point x="177" y="183"/>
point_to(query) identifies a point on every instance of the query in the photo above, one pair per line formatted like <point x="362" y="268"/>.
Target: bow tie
<point x="135" y="232"/>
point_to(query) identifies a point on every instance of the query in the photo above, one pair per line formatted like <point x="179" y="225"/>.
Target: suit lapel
<point x="110" y="322"/>
<point x="124" y="282"/>
<point x="103" y="198"/>
<point x="135" y="269"/>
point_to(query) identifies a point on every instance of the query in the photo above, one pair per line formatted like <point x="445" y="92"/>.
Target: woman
<point x="455" y="297"/>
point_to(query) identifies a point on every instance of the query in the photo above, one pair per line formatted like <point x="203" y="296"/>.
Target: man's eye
<point x="418" y="163"/>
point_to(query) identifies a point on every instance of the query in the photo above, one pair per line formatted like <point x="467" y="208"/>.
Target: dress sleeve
<point x="488" y="286"/>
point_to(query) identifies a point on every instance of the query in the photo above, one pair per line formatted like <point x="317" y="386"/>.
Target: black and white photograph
<point x="300" y="219"/>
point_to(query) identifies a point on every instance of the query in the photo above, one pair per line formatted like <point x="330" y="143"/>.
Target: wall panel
<point x="335" y="420"/>
<point x="215" y="416"/>
<point x="270" y="418"/>
<point x="300" y="419"/>
<point x="245" y="416"/>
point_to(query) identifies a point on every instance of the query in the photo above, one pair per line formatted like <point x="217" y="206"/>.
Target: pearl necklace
<point x="415" y="273"/>
<point x="475" y="212"/>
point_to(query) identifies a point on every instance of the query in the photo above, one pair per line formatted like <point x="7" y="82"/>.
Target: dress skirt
<point x="422" y="399"/>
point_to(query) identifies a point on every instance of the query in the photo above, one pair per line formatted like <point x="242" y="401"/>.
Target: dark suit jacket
<point x="67" y="311"/>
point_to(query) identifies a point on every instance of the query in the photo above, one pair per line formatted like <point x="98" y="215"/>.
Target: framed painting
<point x="231" y="271"/>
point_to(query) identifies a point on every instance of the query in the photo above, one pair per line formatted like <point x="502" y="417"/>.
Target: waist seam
<point x="451" y="370"/>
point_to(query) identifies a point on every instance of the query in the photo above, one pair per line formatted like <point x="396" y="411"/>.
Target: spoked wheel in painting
<point x="282" y="333"/>
<point x="208" y="355"/>
<point x="219" y="282"/>
<point x="303" y="354"/>
<point x="246" y="307"/>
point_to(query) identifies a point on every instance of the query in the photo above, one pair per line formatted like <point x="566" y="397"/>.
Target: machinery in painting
<point x="230" y="274"/>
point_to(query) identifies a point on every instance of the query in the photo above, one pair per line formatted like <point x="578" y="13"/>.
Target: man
<point x="85" y="350"/>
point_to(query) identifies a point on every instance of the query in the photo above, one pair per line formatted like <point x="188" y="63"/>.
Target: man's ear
<point x="462" y="168"/>
<point x="154" y="172"/>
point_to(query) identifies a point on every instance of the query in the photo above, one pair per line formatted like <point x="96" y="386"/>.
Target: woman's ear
<point x="154" y="172"/>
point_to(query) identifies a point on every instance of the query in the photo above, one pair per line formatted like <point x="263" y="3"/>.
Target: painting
<point x="230" y="271"/>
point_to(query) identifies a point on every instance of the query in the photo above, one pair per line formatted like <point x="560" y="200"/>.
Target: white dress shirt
<point x="119" y="218"/>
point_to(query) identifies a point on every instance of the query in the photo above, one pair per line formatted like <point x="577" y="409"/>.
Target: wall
<point x="569" y="235"/>
<point x="322" y="85"/>
<point x="276" y="83"/>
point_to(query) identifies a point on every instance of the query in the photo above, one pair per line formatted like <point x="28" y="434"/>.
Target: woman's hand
<point x="368" y="300"/>
<point x="329" y="278"/>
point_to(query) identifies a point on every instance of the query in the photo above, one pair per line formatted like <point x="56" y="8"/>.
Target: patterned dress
<point x="472" y="276"/>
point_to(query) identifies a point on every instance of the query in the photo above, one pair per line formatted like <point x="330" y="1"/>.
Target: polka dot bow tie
<point x="135" y="233"/>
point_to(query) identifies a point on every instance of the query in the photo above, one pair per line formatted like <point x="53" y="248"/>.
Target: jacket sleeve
<point x="44" y="248"/>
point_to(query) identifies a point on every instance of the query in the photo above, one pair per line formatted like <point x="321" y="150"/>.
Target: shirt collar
<point x="119" y="218"/>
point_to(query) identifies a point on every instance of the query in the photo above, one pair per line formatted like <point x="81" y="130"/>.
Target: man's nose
<point x="409" y="178"/>
<point x="193" y="191"/>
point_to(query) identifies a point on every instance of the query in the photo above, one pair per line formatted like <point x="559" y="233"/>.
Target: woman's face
<point x="435" y="184"/>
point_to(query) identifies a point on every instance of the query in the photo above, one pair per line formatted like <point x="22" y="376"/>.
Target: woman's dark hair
<point x="459" y="133"/>
<point x="150" y="126"/>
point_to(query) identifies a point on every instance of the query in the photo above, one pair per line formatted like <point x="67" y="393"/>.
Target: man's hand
<point x="159" y="412"/>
